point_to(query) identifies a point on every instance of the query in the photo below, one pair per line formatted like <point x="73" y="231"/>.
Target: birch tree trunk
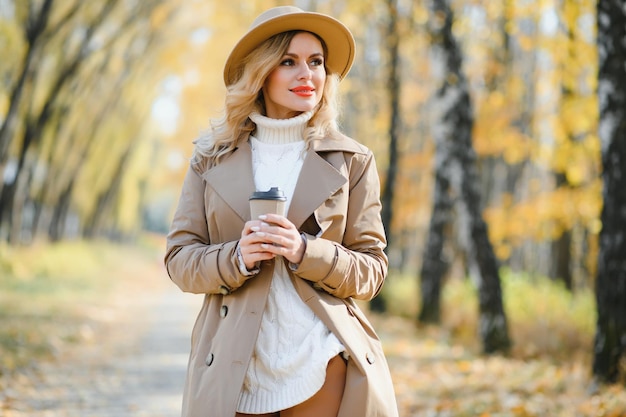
<point x="610" y="339"/>
<point x="434" y="263"/>
<point x="454" y="143"/>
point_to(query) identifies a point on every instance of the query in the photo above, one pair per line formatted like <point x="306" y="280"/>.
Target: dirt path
<point x="134" y="364"/>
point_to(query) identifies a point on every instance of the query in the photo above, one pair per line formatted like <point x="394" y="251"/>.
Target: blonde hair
<point x="245" y="96"/>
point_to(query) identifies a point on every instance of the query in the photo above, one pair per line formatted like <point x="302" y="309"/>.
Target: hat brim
<point x="338" y="39"/>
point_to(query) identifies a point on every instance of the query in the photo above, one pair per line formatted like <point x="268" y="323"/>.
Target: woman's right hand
<point x="251" y="244"/>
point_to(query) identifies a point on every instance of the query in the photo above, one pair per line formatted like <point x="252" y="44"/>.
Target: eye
<point x="316" y="62"/>
<point x="287" y="62"/>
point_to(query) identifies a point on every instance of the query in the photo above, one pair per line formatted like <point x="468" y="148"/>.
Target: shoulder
<point x="207" y="154"/>
<point x="200" y="163"/>
<point x="343" y="151"/>
<point x="340" y="143"/>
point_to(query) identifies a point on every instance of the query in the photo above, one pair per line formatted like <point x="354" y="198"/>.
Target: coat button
<point x="223" y="311"/>
<point x="209" y="359"/>
<point x="224" y="290"/>
<point x="370" y="358"/>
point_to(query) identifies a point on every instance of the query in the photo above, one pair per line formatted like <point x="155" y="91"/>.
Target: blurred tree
<point x="39" y="118"/>
<point x="392" y="39"/>
<point x="455" y="167"/>
<point x="502" y="129"/>
<point x="435" y="263"/>
<point x="36" y="25"/>
<point x="93" y="53"/>
<point x="610" y="340"/>
<point x="532" y="73"/>
<point x="575" y="125"/>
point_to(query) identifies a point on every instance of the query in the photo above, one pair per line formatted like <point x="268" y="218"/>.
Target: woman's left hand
<point x="282" y="236"/>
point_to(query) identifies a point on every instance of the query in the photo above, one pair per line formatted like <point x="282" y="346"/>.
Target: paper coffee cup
<point x="264" y="202"/>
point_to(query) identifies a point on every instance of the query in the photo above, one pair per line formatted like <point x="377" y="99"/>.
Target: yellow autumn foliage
<point x="544" y="216"/>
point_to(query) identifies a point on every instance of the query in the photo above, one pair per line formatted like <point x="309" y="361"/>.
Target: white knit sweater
<point x="294" y="346"/>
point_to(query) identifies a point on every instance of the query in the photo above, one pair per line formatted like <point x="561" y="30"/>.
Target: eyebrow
<point x="314" y="55"/>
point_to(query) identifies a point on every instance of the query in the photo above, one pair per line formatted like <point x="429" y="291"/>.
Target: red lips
<point x="303" y="90"/>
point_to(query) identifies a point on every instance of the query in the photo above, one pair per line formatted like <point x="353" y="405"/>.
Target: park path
<point x="133" y="365"/>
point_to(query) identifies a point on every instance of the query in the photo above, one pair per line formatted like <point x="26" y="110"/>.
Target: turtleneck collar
<point x="277" y="131"/>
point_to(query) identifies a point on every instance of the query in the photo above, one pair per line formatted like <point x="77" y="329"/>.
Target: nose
<point x="304" y="71"/>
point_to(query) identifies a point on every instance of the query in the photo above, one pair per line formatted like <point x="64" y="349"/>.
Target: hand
<point x="273" y="235"/>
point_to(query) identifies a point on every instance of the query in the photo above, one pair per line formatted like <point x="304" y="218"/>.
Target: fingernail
<point x="262" y="217"/>
<point x="255" y="228"/>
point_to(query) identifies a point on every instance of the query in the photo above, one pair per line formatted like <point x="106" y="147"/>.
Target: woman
<point x="279" y="333"/>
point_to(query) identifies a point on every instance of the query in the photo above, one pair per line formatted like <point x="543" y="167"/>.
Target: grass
<point x="48" y="293"/>
<point x="439" y="371"/>
<point x="544" y="318"/>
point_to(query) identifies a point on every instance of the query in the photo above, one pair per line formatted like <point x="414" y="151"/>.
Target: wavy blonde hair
<point x="245" y="96"/>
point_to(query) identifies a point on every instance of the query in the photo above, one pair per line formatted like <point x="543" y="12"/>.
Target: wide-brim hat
<point x="337" y="37"/>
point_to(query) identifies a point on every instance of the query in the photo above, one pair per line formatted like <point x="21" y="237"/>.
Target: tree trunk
<point x="37" y="26"/>
<point x="105" y="203"/>
<point x="14" y="193"/>
<point x="434" y="263"/>
<point x="393" y="84"/>
<point x="610" y="339"/>
<point x="454" y="138"/>
<point x="36" y="123"/>
<point x="493" y="326"/>
<point x="56" y="229"/>
<point x="561" y="248"/>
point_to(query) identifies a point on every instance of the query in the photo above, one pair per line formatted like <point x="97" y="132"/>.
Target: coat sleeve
<point x="194" y="263"/>
<point x="357" y="266"/>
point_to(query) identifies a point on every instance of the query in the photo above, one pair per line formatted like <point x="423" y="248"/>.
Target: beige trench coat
<point x="336" y="204"/>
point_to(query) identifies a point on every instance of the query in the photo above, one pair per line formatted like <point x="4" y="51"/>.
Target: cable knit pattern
<point x="289" y="361"/>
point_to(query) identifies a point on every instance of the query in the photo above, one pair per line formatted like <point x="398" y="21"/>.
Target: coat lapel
<point x="318" y="180"/>
<point x="232" y="180"/>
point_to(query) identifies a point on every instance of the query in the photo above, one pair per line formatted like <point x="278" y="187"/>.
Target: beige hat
<point x="337" y="37"/>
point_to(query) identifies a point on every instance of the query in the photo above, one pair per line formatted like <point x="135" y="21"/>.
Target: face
<point x="297" y="84"/>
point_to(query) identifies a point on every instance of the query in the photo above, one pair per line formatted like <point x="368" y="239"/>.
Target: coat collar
<point x="232" y="179"/>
